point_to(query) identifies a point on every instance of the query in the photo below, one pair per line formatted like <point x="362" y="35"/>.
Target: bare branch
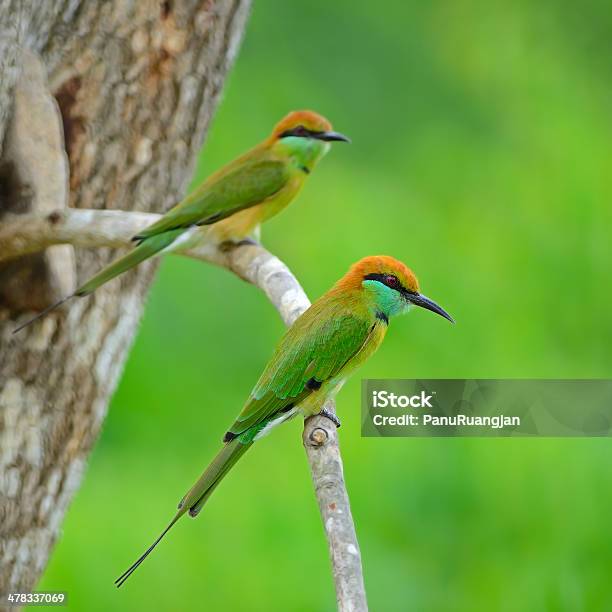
<point x="102" y="228"/>
<point x="321" y="443"/>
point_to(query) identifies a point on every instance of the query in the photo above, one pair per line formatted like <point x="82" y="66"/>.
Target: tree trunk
<point x="136" y="83"/>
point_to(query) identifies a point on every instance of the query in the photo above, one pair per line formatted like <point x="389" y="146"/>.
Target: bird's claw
<point x="331" y="416"/>
<point x="230" y="245"/>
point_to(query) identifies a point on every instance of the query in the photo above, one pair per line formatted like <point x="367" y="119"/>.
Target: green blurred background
<point x="481" y="157"/>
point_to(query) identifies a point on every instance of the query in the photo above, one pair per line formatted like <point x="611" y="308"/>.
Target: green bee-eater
<point x="338" y="333"/>
<point x="231" y="203"/>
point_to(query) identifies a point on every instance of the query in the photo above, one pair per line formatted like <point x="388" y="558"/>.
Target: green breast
<point x="273" y="205"/>
<point x="377" y="335"/>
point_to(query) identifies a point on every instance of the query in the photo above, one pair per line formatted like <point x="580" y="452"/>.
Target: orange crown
<point x="379" y="264"/>
<point x="309" y="119"/>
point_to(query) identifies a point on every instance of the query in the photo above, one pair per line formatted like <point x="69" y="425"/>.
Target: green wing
<point x="250" y="183"/>
<point x="312" y="351"/>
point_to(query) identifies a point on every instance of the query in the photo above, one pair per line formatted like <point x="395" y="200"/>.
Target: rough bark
<point x="254" y="264"/>
<point x="136" y="83"/>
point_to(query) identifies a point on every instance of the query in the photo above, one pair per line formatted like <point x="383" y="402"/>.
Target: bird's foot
<point x="331" y="416"/>
<point x="229" y="245"/>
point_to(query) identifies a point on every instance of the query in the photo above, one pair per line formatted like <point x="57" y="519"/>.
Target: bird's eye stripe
<point x="299" y="130"/>
<point x="386" y="279"/>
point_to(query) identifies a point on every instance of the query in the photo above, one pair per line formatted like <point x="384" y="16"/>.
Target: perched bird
<point x="231" y="203"/>
<point x="339" y="332"/>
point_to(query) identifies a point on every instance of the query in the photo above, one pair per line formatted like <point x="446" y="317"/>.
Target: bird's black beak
<point x="424" y="302"/>
<point x="331" y="136"/>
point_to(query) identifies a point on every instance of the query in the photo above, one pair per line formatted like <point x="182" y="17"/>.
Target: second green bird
<point x="338" y="333"/>
<point x="231" y="204"/>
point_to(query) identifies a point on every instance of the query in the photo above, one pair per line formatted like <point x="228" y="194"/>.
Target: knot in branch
<point x="318" y="436"/>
